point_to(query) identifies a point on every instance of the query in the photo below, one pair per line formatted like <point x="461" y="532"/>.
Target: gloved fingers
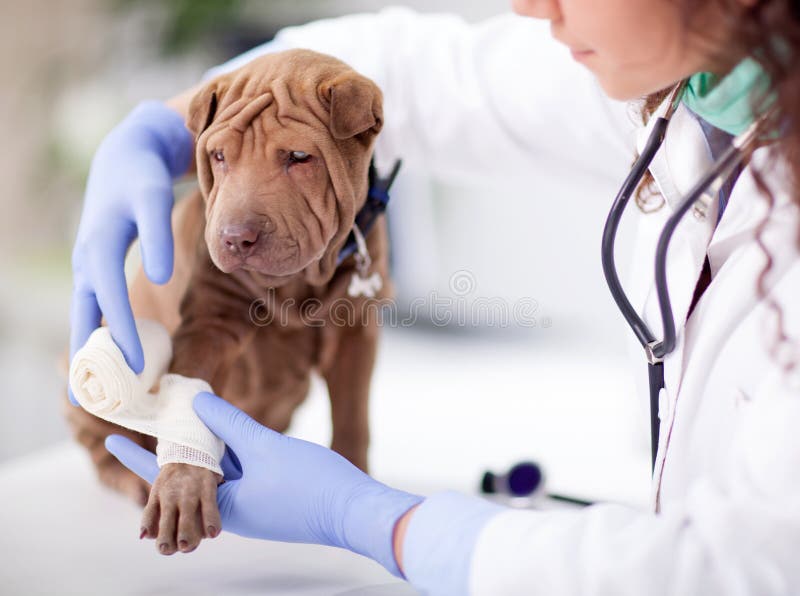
<point x="154" y="223"/>
<point x="111" y="289"/>
<point x="230" y="424"/>
<point x="134" y="457"/>
<point x="231" y="467"/>
<point x="84" y="318"/>
<point x="226" y="499"/>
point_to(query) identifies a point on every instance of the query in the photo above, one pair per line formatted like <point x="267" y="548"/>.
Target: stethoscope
<point x="700" y="197"/>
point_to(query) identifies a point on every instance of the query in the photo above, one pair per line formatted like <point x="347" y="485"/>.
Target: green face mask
<point x="727" y="103"/>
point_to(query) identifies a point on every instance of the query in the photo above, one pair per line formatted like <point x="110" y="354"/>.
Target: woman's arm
<point x="474" y="103"/>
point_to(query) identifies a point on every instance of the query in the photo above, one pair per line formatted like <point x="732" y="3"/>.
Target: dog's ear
<point x="202" y="109"/>
<point x="355" y="104"/>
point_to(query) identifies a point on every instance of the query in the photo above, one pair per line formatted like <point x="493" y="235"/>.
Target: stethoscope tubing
<point x="639" y="327"/>
<point x="656" y="351"/>
<point x="714" y="178"/>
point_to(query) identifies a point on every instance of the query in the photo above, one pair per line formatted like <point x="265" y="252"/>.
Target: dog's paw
<point x="182" y="508"/>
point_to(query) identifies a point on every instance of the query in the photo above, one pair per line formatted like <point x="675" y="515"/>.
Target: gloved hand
<point x="129" y="192"/>
<point x="280" y="488"/>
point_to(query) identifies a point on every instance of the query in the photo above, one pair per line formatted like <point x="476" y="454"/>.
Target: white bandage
<point x="105" y="386"/>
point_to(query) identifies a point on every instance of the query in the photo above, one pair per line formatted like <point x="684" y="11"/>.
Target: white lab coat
<point x="501" y="99"/>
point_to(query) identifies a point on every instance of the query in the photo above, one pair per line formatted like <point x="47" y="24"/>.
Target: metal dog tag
<point x="361" y="283"/>
<point x="364" y="286"/>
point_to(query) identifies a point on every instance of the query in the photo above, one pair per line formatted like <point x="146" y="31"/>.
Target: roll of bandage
<point x="103" y="383"/>
<point x="105" y="386"/>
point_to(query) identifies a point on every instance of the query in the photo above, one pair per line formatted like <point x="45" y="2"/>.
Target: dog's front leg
<point x="182" y="506"/>
<point x="215" y="326"/>
<point x="348" y="374"/>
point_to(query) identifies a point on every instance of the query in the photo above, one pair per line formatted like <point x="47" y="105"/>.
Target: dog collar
<point x="375" y="205"/>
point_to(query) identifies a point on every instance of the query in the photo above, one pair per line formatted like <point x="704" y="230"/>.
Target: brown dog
<point x="258" y="300"/>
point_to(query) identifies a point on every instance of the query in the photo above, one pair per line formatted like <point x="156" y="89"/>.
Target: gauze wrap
<point x="105" y="386"/>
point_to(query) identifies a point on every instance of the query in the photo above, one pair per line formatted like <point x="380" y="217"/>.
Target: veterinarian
<point x="502" y="99"/>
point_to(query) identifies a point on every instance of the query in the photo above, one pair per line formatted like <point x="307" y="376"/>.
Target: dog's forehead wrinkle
<point x="299" y="108"/>
<point x="230" y="110"/>
<point x="255" y="106"/>
<point x="249" y="140"/>
<point x="264" y="137"/>
<point x="287" y="118"/>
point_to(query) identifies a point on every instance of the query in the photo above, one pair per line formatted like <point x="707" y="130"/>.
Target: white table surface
<point x="444" y="408"/>
<point x="64" y="534"/>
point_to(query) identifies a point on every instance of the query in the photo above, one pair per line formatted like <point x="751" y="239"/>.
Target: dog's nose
<point x="240" y="239"/>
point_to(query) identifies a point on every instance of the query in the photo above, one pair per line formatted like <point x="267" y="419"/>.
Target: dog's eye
<point x="299" y="157"/>
<point x="218" y="156"/>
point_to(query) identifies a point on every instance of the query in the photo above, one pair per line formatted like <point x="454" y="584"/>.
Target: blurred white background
<point x="448" y="401"/>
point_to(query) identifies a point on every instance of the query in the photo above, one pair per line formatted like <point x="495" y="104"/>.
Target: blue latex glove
<point x="280" y="488"/>
<point x="128" y="193"/>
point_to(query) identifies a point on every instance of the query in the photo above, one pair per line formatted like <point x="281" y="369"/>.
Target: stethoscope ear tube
<point x="712" y="181"/>
<point x="635" y="176"/>
<point x="653" y="144"/>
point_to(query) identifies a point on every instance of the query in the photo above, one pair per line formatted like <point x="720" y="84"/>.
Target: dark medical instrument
<point x="699" y="198"/>
<point x="525" y="480"/>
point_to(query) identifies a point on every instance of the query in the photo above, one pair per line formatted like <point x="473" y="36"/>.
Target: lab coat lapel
<point x="736" y="260"/>
<point x="722" y="318"/>
<point x="742" y="217"/>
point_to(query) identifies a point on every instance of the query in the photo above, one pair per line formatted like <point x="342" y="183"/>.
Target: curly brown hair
<point x="769" y="32"/>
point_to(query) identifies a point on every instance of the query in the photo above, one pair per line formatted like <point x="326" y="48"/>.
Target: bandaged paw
<point x="105" y="386"/>
<point x="182" y="436"/>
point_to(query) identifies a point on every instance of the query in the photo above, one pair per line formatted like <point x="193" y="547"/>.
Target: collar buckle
<point x="375" y="205"/>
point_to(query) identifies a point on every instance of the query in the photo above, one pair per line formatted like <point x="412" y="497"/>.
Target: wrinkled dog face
<point x="283" y="150"/>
